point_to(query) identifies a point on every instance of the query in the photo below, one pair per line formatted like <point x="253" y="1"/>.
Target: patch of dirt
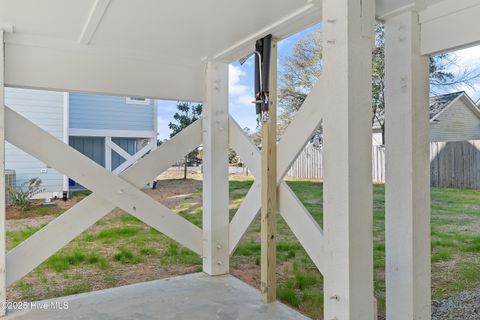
<point x="60" y="284"/>
<point x="19" y="224"/>
<point x="173" y="192"/>
<point x="168" y="192"/>
<point x="44" y="284"/>
<point x="467" y="228"/>
<point x="38" y="209"/>
<point x="245" y="269"/>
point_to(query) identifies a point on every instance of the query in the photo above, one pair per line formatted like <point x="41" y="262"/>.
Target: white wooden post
<point x="348" y="37"/>
<point x="407" y="171"/>
<point x="66" y="135"/>
<point x="215" y="170"/>
<point x="108" y="153"/>
<point x="3" y="289"/>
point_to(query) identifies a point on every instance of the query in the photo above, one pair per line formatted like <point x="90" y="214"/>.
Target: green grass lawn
<point x="116" y="247"/>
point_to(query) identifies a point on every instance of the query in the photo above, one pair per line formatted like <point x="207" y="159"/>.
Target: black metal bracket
<point x="262" y="77"/>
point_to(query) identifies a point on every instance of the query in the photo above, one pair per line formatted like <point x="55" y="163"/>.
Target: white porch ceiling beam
<point x="450" y="25"/>
<point x="281" y="29"/>
<point x="91" y="71"/>
<point x="93" y="21"/>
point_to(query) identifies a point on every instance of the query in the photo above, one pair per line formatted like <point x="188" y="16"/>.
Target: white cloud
<point x="235" y="85"/>
<point x="469" y="57"/>
<point x="244" y="99"/>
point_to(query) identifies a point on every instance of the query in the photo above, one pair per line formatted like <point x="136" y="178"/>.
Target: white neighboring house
<point x="113" y="131"/>
<point x="453" y="117"/>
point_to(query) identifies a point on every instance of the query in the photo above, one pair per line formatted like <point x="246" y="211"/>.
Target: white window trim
<point x="74" y="132"/>
<point x="130" y="100"/>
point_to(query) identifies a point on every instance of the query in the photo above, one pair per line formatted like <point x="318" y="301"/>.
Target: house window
<point x="133" y="100"/>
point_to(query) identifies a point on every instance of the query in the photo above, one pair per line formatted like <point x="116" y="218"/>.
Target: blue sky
<point x="242" y="92"/>
<point x="240" y="87"/>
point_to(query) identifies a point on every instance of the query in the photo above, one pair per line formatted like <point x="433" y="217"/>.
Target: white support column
<point x="348" y="34"/>
<point x="66" y="137"/>
<point x="108" y="153"/>
<point x="3" y="289"/>
<point x="407" y="171"/>
<point x="215" y="170"/>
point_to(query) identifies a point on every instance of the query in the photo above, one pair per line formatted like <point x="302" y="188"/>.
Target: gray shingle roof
<point x="439" y="103"/>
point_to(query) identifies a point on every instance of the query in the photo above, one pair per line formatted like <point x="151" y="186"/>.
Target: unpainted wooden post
<point x="2" y="176"/>
<point x="407" y="223"/>
<point x="269" y="190"/>
<point x="215" y="171"/>
<point x="347" y="128"/>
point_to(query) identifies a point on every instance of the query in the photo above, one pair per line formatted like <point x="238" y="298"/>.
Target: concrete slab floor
<point x="195" y="296"/>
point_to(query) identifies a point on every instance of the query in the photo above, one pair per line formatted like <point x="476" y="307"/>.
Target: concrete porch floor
<point x="195" y="296"/>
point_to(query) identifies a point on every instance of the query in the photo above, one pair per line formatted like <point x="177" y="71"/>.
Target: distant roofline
<point x="458" y="95"/>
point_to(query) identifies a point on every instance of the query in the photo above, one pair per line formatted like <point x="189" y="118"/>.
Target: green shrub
<point x="20" y="198"/>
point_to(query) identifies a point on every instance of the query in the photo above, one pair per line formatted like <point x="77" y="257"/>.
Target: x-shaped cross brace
<point x="109" y="191"/>
<point x="300" y="221"/>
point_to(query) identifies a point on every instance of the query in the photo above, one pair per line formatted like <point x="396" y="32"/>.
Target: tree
<point x="232" y="157"/>
<point x="304" y="66"/>
<point x="186" y="115"/>
<point x="378" y="77"/>
<point x="299" y="73"/>
<point x="442" y="76"/>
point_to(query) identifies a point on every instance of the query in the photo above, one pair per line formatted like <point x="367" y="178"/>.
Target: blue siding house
<point x="115" y="132"/>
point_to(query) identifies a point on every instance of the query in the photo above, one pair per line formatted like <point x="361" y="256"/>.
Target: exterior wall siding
<point x="457" y="123"/>
<point x="88" y="111"/>
<point x="45" y="109"/>
<point x="92" y="147"/>
<point x="127" y="144"/>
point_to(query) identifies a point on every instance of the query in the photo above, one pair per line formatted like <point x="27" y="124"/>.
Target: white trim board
<point x="74" y="132"/>
<point x="66" y="126"/>
<point x="449" y="25"/>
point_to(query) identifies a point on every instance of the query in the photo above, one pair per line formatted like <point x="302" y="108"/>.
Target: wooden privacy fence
<point x="452" y="164"/>
<point x="455" y="164"/>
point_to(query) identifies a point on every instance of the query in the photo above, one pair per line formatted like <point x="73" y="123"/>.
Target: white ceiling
<point x="174" y="35"/>
<point x="387" y="6"/>
<point x="180" y="29"/>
